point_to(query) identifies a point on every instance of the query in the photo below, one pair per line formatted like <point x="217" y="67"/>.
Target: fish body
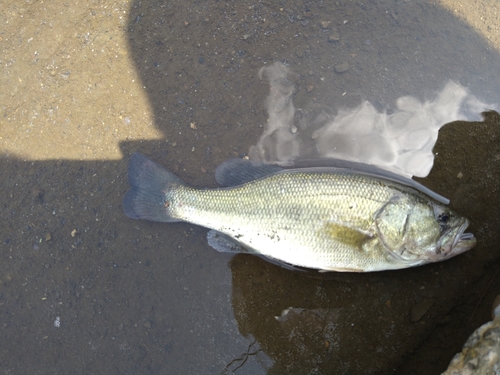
<point x="325" y="219"/>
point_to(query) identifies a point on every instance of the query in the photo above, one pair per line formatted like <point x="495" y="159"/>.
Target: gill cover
<point x="409" y="231"/>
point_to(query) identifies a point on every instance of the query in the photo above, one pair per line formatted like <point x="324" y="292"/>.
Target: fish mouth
<point x="463" y="241"/>
<point x="460" y="244"/>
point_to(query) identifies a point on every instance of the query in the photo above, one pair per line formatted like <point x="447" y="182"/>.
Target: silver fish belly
<point x="331" y="220"/>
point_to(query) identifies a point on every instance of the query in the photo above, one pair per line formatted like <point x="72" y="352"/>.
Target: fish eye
<point x="443" y="218"/>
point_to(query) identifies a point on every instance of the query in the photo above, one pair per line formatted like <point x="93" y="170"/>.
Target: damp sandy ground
<point x="83" y="289"/>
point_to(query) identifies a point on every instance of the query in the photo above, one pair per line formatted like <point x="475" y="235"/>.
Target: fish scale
<point x="323" y="220"/>
<point x="284" y="215"/>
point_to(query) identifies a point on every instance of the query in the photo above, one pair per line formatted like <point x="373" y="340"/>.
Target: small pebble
<point x="74" y="233"/>
<point x="325" y="24"/>
<point x="341" y="67"/>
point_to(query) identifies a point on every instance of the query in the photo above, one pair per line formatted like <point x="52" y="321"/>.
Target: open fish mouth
<point x="465" y="237"/>
<point x="463" y="241"/>
<point x="460" y="244"/>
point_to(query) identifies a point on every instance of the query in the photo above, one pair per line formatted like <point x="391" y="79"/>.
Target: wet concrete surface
<point x="86" y="290"/>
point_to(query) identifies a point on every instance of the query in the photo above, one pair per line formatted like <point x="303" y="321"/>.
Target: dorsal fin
<point x="234" y="172"/>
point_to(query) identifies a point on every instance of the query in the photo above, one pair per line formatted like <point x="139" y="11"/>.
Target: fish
<point x="323" y="218"/>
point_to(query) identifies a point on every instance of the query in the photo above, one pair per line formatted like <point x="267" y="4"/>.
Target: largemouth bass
<point x="330" y="219"/>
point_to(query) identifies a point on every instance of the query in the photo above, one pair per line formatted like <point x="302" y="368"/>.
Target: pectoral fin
<point x="235" y="172"/>
<point x="348" y="235"/>
<point x="224" y="244"/>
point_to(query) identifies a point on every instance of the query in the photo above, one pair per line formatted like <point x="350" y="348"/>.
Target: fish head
<point x="452" y="239"/>
<point x="416" y="233"/>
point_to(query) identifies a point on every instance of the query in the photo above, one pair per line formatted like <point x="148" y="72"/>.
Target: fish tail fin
<point x="149" y="183"/>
